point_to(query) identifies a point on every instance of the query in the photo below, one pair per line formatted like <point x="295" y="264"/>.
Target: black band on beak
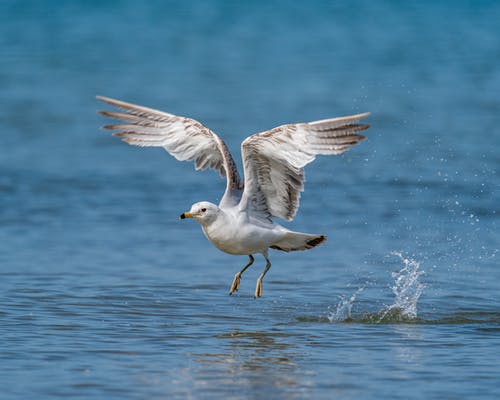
<point x="182" y="216"/>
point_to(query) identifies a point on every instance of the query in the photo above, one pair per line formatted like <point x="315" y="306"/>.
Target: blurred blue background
<point x="102" y="286"/>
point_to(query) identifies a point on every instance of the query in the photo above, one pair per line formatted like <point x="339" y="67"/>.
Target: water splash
<point x="344" y="308"/>
<point x="407" y="289"/>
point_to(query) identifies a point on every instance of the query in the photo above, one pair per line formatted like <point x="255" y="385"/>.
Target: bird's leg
<point x="258" y="288"/>
<point x="236" y="281"/>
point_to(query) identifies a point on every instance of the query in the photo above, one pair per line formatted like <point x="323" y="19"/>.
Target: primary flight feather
<point x="273" y="166"/>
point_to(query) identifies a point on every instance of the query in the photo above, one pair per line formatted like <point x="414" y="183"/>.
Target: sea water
<point x="106" y="294"/>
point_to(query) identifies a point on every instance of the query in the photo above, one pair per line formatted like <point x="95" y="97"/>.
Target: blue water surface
<point x="106" y="294"/>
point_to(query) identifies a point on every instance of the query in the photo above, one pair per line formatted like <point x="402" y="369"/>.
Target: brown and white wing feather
<point x="274" y="161"/>
<point x="184" y="138"/>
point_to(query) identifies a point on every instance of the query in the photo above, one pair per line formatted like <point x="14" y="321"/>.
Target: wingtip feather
<point x="105" y="99"/>
<point x="347" y="118"/>
<point x="363" y="127"/>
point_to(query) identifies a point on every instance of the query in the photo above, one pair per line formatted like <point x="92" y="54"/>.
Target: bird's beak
<point x="185" y="215"/>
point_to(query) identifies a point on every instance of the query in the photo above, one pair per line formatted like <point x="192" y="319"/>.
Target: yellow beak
<point x="186" y="215"/>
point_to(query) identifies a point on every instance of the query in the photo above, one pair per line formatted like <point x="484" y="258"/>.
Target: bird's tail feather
<point x="293" y="241"/>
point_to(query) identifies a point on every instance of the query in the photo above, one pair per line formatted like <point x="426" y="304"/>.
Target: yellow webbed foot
<point x="236" y="283"/>
<point x="258" y="288"/>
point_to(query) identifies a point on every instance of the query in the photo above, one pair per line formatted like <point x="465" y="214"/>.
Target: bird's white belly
<point x="233" y="239"/>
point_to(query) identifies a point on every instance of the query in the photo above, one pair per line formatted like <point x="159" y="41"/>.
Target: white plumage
<point x="273" y="165"/>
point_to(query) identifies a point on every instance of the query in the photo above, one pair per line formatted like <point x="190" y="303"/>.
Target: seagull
<point x="273" y="166"/>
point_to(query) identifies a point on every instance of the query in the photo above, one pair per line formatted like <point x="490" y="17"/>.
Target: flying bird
<point x="273" y="166"/>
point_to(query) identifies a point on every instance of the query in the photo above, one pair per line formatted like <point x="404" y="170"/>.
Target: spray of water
<point x="407" y="290"/>
<point x="343" y="310"/>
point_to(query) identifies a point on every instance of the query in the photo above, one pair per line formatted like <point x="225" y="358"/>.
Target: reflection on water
<point x="261" y="362"/>
<point x="405" y="349"/>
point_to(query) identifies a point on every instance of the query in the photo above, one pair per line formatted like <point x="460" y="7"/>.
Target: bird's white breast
<point x="233" y="233"/>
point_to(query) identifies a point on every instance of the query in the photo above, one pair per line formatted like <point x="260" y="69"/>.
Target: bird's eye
<point x="203" y="209"/>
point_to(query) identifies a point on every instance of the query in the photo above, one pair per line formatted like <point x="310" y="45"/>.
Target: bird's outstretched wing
<point x="184" y="138"/>
<point x="274" y="161"/>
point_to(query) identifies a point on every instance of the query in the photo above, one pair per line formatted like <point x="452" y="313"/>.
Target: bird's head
<point x="204" y="212"/>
